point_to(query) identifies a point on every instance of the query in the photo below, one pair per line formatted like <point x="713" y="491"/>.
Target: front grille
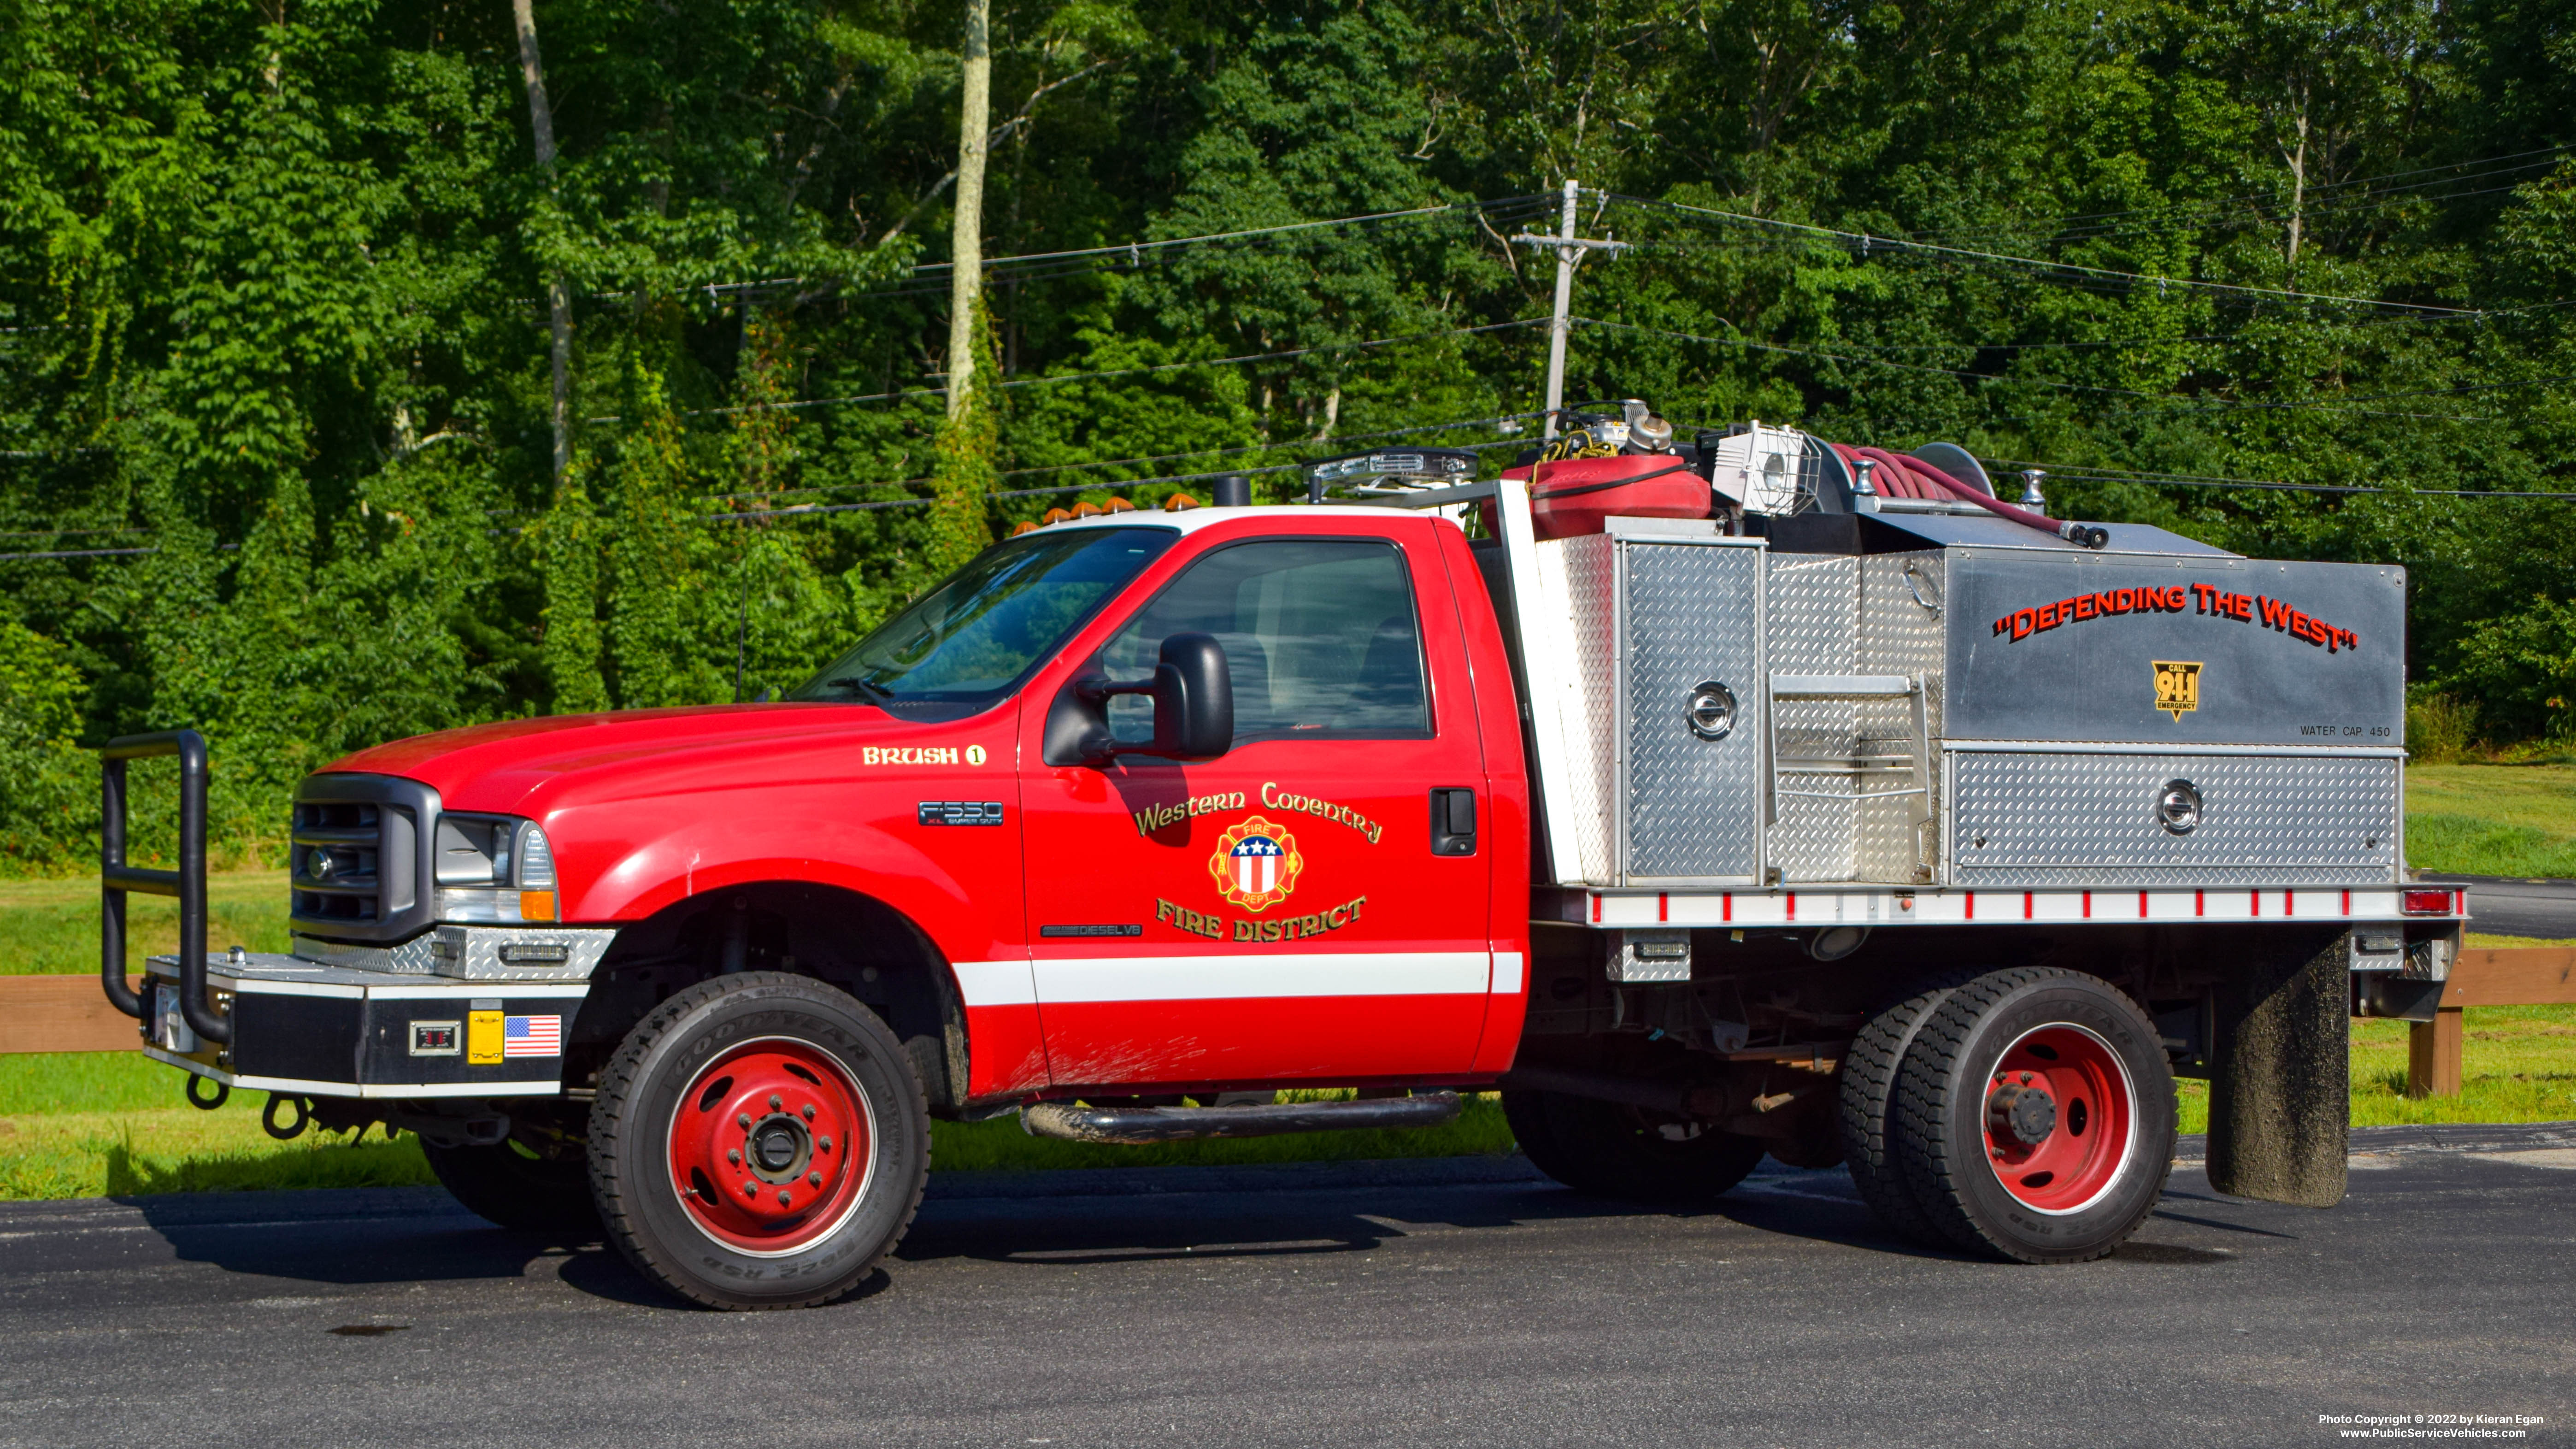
<point x="355" y="865"/>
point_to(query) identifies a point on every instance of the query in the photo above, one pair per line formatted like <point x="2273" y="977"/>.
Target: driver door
<point x="1278" y="914"/>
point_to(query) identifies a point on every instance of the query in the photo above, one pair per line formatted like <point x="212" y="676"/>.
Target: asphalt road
<point x="1410" y="1303"/>
<point x="2514" y="906"/>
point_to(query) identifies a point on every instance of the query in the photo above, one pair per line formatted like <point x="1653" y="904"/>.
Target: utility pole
<point x="1570" y="251"/>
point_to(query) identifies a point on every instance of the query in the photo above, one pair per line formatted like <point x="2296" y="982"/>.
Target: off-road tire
<point x="1871" y="1066"/>
<point x="632" y="1130"/>
<point x="1943" y="1146"/>
<point x="514" y="1187"/>
<point x="1624" y="1152"/>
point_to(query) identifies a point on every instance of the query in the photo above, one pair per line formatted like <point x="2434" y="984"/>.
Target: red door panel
<point x="1275" y="915"/>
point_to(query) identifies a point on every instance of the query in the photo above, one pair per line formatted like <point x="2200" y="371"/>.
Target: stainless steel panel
<point x="1902" y="630"/>
<point x="471" y="953"/>
<point x="2049" y="819"/>
<point x="1588" y="581"/>
<point x="1691" y="807"/>
<point x="2095" y="676"/>
<point x="1812" y="626"/>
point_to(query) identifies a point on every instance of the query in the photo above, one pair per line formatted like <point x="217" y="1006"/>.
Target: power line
<point x="2187" y="404"/>
<point x="1867" y="242"/>
<point x="2079" y="473"/>
<point x="1051" y="380"/>
<point x="2328" y="195"/>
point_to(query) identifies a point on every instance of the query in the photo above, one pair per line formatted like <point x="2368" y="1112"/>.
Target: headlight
<point x="494" y="868"/>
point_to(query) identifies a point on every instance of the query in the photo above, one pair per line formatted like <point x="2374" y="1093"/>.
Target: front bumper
<point x="445" y="1015"/>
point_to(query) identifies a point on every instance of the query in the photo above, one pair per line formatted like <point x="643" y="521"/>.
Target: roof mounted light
<point x="1421" y="467"/>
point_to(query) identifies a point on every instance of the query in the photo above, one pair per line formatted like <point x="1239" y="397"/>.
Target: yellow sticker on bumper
<point x="483" y="1038"/>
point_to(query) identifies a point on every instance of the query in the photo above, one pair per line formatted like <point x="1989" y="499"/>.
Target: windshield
<point x="975" y="637"/>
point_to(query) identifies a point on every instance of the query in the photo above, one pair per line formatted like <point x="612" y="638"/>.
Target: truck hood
<point x="505" y="766"/>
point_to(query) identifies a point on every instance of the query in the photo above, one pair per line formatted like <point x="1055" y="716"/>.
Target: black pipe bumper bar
<point x="1137" y="1126"/>
<point x="187" y="883"/>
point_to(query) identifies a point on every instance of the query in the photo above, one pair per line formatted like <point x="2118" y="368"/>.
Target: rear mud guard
<point x="2280" y="1084"/>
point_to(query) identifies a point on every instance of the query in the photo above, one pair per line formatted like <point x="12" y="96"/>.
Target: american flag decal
<point x="531" y="1036"/>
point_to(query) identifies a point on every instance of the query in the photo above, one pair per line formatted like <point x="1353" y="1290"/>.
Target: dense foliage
<point x="275" y="456"/>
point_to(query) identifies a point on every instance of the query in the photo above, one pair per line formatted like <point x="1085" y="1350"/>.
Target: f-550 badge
<point x="1256" y="864"/>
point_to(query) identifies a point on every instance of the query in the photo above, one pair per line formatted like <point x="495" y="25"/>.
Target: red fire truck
<point x="1749" y="795"/>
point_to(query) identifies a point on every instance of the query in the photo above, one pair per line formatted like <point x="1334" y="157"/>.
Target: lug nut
<point x="742" y="1120"/>
<point x="734" y="1157"/>
<point x="773" y="1101"/>
<point x="782" y="1197"/>
<point x="809" y="1111"/>
<point x="813" y="1179"/>
<point x="827" y="1144"/>
<point x="750" y="1189"/>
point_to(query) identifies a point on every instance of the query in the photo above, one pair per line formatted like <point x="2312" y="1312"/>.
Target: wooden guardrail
<point x="63" y="1014"/>
<point x="2483" y="976"/>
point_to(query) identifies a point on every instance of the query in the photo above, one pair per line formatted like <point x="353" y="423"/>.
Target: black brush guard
<point x="187" y="883"/>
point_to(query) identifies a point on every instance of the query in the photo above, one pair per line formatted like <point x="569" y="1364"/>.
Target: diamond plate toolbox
<point x="1690" y="622"/>
<point x="2059" y="817"/>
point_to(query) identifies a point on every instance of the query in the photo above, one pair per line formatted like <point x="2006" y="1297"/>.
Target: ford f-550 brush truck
<point x="1748" y="795"/>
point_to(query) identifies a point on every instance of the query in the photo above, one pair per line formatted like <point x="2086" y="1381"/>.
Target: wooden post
<point x="2433" y="1055"/>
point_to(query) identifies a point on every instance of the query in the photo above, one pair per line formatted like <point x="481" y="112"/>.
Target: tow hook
<point x="268" y="1117"/>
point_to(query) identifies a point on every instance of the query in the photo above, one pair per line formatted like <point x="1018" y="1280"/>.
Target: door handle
<point x="1453" y="822"/>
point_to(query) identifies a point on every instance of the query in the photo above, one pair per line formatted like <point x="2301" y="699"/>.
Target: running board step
<point x="1138" y="1126"/>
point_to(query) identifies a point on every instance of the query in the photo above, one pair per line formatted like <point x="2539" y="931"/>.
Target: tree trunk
<point x="966" y="277"/>
<point x="541" y="123"/>
<point x="2298" y="188"/>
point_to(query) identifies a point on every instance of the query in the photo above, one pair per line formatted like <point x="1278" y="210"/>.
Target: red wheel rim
<point x="771" y="1146"/>
<point x="2061" y="1118"/>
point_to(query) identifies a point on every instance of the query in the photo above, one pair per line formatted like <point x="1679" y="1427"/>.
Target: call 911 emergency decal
<point x="1254" y="865"/>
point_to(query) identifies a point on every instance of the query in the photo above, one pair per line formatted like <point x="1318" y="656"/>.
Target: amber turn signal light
<point x="536" y="905"/>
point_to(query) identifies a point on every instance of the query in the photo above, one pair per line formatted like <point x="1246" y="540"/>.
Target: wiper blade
<point x="872" y="693"/>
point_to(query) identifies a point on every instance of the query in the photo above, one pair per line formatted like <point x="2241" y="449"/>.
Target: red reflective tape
<point x="2256" y="898"/>
<point x="1726" y="908"/>
<point x="2025" y="905"/>
<point x="2142" y="905"/>
<point x="2200" y="903"/>
<point x="2289" y="903"/>
<point x="1596" y="910"/>
<point x="2459" y="907"/>
<point x="1972" y="905"/>
<point x="1793" y="905"/>
<point x="2347" y="901"/>
<point x="1663" y="906"/>
<point x="2088" y="905"/>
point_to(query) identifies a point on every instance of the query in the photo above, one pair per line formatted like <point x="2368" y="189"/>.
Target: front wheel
<point x="759" y="1141"/>
<point x="2036" y="1116"/>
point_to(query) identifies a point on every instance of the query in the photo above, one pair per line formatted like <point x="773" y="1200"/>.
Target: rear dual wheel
<point x="759" y="1141"/>
<point x="2031" y="1116"/>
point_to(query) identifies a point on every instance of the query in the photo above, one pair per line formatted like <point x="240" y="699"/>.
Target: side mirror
<point x="1193" y="708"/>
<point x="1193" y="699"/>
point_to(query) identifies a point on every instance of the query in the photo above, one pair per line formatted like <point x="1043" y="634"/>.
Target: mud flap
<point x="2280" y="1085"/>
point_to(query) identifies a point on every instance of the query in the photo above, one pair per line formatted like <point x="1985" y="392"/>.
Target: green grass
<point x="50" y="927"/>
<point x="2492" y="819"/>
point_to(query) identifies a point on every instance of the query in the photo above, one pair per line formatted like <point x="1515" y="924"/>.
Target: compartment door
<point x="1691" y="767"/>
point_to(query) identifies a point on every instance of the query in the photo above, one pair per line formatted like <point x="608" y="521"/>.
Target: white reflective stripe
<point x="1507" y="973"/>
<point x="1233" y="977"/>
<point x="995" y="983"/>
